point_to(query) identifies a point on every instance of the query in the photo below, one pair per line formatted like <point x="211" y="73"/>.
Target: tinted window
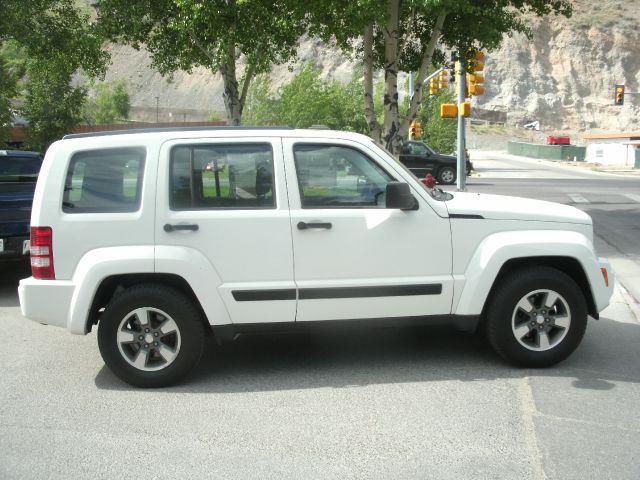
<point x="417" y="149"/>
<point x="108" y="180"/>
<point x="338" y="177"/>
<point x="221" y="176"/>
<point x="19" y="168"/>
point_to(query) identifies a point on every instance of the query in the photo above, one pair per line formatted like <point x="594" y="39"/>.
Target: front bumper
<point x="603" y="286"/>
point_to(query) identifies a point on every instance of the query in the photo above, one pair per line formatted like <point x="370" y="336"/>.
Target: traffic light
<point x="443" y="79"/>
<point x="433" y="86"/>
<point x="458" y="68"/>
<point x="478" y="61"/>
<point x="475" y="79"/>
<point x="418" y="132"/>
<point x="465" y="109"/>
<point x="448" y="110"/>
<point x="413" y="129"/>
<point x="619" y="95"/>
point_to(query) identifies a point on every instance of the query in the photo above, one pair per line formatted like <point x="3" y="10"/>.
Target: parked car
<point x="18" y="175"/>
<point x="303" y="229"/>
<point x="421" y="160"/>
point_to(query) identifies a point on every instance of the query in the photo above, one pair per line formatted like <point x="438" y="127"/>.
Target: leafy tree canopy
<point x="307" y="100"/>
<point x="8" y="88"/>
<point x="217" y="34"/>
<point x="54" y="40"/>
<point x="54" y="30"/>
<point x="51" y="104"/>
<point x="412" y="35"/>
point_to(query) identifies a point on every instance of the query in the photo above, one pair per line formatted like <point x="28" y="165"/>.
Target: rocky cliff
<point x="564" y="76"/>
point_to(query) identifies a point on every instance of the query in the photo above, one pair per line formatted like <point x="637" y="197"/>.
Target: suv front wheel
<point x="151" y="336"/>
<point x="536" y="317"/>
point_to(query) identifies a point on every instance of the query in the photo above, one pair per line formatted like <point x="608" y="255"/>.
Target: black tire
<point x="165" y="306"/>
<point x="507" y="320"/>
<point x="447" y="175"/>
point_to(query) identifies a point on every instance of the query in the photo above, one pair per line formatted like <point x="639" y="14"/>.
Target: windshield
<point x="15" y="168"/>
<point x="435" y="193"/>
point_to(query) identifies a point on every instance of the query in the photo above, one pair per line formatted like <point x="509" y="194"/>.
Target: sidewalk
<point x="583" y="167"/>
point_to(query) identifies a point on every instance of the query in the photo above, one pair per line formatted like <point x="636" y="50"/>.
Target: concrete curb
<point x="630" y="300"/>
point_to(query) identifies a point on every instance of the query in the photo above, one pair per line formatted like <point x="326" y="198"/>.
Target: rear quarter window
<point x="104" y="181"/>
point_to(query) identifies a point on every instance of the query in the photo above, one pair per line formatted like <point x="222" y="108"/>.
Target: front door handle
<point x="172" y="228"/>
<point x="305" y="225"/>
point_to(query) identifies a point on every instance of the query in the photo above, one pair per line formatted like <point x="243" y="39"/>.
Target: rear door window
<point x="221" y="176"/>
<point x="104" y="181"/>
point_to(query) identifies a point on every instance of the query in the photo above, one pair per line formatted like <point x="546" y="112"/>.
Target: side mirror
<point x="398" y="195"/>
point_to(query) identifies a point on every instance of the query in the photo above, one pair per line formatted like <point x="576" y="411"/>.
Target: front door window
<point x="338" y="177"/>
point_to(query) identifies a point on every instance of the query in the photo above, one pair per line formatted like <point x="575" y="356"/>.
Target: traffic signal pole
<point x="461" y="142"/>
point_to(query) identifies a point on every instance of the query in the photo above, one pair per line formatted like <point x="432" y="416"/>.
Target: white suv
<point x="160" y="237"/>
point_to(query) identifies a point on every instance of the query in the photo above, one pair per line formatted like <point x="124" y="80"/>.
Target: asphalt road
<point x="418" y="403"/>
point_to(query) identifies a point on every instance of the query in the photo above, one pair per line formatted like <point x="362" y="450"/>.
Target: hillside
<point x="564" y="76"/>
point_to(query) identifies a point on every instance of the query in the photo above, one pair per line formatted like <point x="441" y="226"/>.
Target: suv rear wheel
<point x="447" y="175"/>
<point x="151" y="336"/>
<point x="536" y="317"/>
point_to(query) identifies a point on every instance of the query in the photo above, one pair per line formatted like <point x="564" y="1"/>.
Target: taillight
<point x="42" y="253"/>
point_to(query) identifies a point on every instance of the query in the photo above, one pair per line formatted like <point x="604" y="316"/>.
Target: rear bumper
<point x="14" y="247"/>
<point x="46" y="301"/>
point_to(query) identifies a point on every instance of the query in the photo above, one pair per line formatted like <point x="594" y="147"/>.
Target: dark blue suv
<point x="18" y="175"/>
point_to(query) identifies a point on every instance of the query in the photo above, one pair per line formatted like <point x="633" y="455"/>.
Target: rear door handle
<point x="172" y="228"/>
<point x="305" y="225"/>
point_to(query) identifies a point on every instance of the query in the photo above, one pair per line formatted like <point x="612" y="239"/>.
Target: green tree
<point x="217" y="34"/>
<point x="52" y="105"/>
<point x="261" y="107"/>
<point x="110" y="104"/>
<point x="8" y="88"/>
<point x="439" y="133"/>
<point x="57" y="40"/>
<point x="54" y="30"/>
<point x="411" y="35"/>
<point x="307" y="100"/>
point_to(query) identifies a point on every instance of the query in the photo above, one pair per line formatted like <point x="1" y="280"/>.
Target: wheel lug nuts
<point x="155" y="344"/>
<point x="146" y="330"/>
<point x="155" y="334"/>
<point x="146" y="345"/>
<point x="140" y="337"/>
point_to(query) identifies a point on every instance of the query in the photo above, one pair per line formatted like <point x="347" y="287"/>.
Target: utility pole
<point x="157" y="109"/>
<point x="410" y="97"/>
<point x="460" y="141"/>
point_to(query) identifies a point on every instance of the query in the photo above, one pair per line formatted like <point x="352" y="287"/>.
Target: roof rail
<point x="107" y="133"/>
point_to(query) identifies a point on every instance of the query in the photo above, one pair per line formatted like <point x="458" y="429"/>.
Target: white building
<point x="613" y="148"/>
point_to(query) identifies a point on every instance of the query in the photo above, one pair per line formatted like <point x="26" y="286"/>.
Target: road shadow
<point x="11" y="272"/>
<point x="264" y="363"/>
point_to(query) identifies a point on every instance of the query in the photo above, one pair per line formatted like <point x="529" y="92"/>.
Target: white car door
<point x="223" y="202"/>
<point x="354" y="258"/>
